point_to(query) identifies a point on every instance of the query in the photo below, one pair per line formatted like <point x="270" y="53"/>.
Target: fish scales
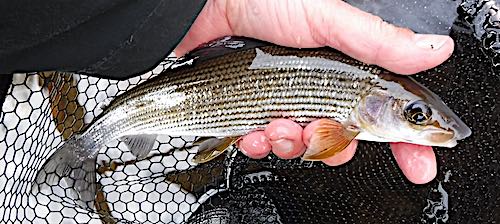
<point x="223" y="96"/>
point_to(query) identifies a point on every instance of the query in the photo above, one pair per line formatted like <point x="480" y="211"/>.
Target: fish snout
<point x="451" y="128"/>
<point x="461" y="130"/>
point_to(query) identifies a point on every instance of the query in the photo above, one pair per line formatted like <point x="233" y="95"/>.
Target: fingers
<point x="369" y="39"/>
<point x="339" y="25"/>
<point x="283" y="137"/>
<point x="417" y="162"/>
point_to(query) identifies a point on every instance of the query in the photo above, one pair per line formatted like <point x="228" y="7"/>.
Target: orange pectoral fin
<point x="329" y="138"/>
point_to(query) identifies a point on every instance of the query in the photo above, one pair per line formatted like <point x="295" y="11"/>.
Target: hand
<point x="333" y="23"/>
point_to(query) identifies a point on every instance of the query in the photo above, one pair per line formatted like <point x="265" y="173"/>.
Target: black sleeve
<point x="114" y="39"/>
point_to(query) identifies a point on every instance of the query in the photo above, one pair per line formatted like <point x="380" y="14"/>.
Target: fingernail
<point x="430" y="41"/>
<point x="283" y="145"/>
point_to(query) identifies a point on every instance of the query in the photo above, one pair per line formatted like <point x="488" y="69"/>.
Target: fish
<point x="233" y="86"/>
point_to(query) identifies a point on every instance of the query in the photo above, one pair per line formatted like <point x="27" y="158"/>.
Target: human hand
<point x="333" y="23"/>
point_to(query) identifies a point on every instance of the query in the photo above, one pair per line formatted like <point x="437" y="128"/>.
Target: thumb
<point x="339" y="25"/>
<point x="369" y="39"/>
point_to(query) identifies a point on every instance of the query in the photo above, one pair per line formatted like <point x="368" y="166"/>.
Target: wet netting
<point x="44" y="109"/>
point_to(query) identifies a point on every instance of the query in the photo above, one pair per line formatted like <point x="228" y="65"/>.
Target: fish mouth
<point x="448" y="138"/>
<point x="441" y="136"/>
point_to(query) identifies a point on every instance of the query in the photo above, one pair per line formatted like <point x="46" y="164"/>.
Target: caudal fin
<point x="76" y="176"/>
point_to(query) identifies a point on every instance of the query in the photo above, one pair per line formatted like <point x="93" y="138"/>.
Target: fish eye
<point x="418" y="113"/>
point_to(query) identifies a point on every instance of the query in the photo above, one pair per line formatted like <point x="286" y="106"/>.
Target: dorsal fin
<point x="222" y="46"/>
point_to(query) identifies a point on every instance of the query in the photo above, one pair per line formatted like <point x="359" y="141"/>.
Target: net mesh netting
<point x="41" y="110"/>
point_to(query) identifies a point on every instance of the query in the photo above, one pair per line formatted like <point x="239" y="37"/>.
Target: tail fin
<point x="76" y="175"/>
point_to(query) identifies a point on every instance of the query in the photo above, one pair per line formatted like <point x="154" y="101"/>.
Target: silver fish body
<point x="239" y="92"/>
<point x="234" y="95"/>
